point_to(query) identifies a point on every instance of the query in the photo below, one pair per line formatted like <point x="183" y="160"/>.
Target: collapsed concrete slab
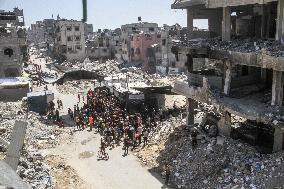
<point x="9" y="178"/>
<point x="15" y="147"/>
<point x="13" y="89"/>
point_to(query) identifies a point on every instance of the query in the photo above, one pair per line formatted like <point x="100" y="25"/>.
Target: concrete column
<point x="189" y="24"/>
<point x="263" y="21"/>
<point x="280" y="20"/>
<point x="226" y="24"/>
<point x="228" y="77"/>
<point x="278" y="139"/>
<point x="215" y="23"/>
<point x="191" y="105"/>
<point x="277" y="88"/>
<point x="224" y="125"/>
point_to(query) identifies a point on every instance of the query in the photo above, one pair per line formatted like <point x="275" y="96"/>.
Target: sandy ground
<point x="116" y="173"/>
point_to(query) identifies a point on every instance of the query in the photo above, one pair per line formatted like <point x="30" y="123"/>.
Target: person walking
<point x="126" y="145"/>
<point x="91" y="122"/>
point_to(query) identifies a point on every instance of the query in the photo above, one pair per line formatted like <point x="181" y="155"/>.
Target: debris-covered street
<point x="196" y="104"/>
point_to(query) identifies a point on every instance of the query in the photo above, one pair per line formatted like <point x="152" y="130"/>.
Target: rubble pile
<point x="269" y="47"/>
<point x="107" y="68"/>
<point x="159" y="80"/>
<point x="157" y="140"/>
<point x="74" y="87"/>
<point x="215" y="163"/>
<point x="40" y="135"/>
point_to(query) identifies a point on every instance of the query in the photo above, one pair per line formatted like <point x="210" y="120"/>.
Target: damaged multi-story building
<point x="170" y="63"/>
<point x="89" y="29"/>
<point x="36" y="33"/>
<point x="242" y="72"/>
<point x="141" y="45"/>
<point x="106" y="44"/>
<point x="70" y="40"/>
<point x="98" y="47"/>
<point x="135" y="28"/>
<point x="13" y="46"/>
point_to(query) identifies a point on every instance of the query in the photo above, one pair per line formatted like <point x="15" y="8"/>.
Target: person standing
<point x="77" y="119"/>
<point x="57" y="117"/>
<point x="91" y="122"/>
<point x="139" y="133"/>
<point x="167" y="173"/>
<point x="126" y="145"/>
<point x="78" y="97"/>
<point x="194" y="139"/>
<point x="145" y="136"/>
<point x="70" y="113"/>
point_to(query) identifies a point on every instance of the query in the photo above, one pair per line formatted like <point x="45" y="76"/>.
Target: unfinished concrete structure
<point x="13" y="46"/>
<point x="70" y="40"/>
<point x="244" y="74"/>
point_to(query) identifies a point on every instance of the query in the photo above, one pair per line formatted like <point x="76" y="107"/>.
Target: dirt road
<point x="117" y="173"/>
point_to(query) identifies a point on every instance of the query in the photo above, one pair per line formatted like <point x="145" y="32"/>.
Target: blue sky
<point x="101" y="13"/>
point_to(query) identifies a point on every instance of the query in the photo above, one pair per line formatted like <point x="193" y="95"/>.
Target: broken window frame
<point x="78" y="47"/>
<point x="77" y="38"/>
<point x="69" y="28"/>
<point x="69" y="49"/>
<point x="69" y="38"/>
<point x="8" y="52"/>
<point x="77" y="28"/>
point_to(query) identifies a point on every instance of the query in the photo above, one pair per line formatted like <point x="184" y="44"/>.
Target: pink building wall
<point x="142" y="41"/>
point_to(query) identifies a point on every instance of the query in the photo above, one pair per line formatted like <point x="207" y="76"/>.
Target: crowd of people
<point x="102" y="111"/>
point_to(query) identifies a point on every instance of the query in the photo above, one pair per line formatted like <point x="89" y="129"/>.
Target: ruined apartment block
<point x="242" y="69"/>
<point x="70" y="40"/>
<point x="135" y="28"/>
<point x="13" y="45"/>
<point x="171" y="62"/>
<point x="140" y="49"/>
<point x="36" y="33"/>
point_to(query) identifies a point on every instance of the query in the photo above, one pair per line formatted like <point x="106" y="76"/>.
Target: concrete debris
<point x="74" y="87"/>
<point x="32" y="167"/>
<point x="268" y="47"/>
<point x="215" y="163"/>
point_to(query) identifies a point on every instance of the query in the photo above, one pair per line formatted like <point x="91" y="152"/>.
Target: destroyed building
<point x="140" y="49"/>
<point x="243" y="70"/>
<point x="103" y="45"/>
<point x="70" y="40"/>
<point x="89" y="29"/>
<point x="98" y="47"/>
<point x="49" y="25"/>
<point x="13" y="44"/>
<point x="134" y="28"/>
<point x="36" y="33"/>
<point x="171" y="38"/>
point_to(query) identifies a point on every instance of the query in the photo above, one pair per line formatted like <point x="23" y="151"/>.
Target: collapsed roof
<point x="181" y="4"/>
